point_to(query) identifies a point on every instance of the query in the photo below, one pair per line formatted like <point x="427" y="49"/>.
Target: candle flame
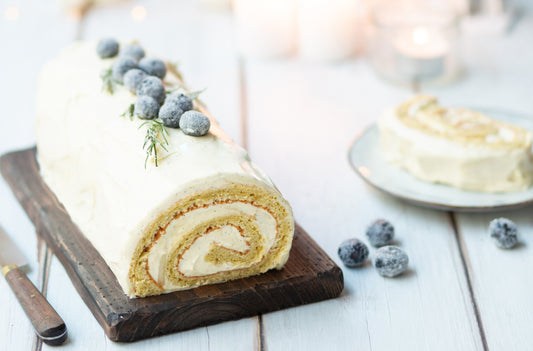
<point x="12" y="13"/>
<point x="138" y="13"/>
<point x="420" y="36"/>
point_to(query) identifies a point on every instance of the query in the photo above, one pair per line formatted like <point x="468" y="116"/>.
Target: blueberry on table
<point x="146" y="107"/>
<point x="380" y="233"/>
<point x="107" y="48"/>
<point x="391" y="261"/>
<point x="122" y="65"/>
<point x="153" y="87"/>
<point x="182" y="100"/>
<point x="353" y="252"/>
<point x="170" y="114"/>
<point x="133" y="78"/>
<point x="503" y="232"/>
<point x="133" y="50"/>
<point x="153" y="66"/>
<point x="194" y="123"/>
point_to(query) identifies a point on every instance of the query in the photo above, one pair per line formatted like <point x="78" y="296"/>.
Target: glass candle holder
<point x="414" y="45"/>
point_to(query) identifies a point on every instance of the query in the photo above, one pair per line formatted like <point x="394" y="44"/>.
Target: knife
<point x="47" y="323"/>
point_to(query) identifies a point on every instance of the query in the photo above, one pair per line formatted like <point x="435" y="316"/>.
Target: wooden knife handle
<point x="47" y="323"/>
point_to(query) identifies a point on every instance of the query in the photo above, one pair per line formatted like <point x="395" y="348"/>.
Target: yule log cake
<point x="456" y="146"/>
<point x="168" y="200"/>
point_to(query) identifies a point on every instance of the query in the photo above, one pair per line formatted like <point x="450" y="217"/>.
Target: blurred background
<point x="406" y="43"/>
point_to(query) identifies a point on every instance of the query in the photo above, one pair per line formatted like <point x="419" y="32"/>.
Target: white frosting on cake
<point x="456" y="146"/>
<point x="93" y="160"/>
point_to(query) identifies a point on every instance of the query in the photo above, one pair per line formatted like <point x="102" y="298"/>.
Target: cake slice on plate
<point x="456" y="146"/>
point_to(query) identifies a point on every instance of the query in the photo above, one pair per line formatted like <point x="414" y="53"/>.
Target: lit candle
<point x="265" y="28"/>
<point x="421" y="53"/>
<point x="329" y="29"/>
<point x="409" y="43"/>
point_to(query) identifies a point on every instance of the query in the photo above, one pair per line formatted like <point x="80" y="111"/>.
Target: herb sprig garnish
<point x="108" y="84"/>
<point x="156" y="135"/>
<point x="130" y="112"/>
<point x="193" y="95"/>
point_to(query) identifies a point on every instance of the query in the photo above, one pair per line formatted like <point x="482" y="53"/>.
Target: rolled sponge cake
<point x="206" y="214"/>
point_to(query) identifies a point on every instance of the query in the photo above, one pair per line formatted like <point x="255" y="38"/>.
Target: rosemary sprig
<point x="195" y="94"/>
<point x="129" y="112"/>
<point x="108" y="84"/>
<point x="154" y="133"/>
<point x="175" y="90"/>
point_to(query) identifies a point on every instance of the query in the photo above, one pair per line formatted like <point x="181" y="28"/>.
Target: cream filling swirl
<point x="193" y="261"/>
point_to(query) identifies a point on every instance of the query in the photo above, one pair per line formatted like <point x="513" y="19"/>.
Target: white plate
<point x="367" y="160"/>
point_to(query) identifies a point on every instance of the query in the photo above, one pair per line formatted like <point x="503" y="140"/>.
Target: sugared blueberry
<point x="504" y="232"/>
<point x="170" y="114"/>
<point x="146" y="107"/>
<point x="391" y="261"/>
<point x="182" y="100"/>
<point x="153" y="66"/>
<point x="122" y="65"/>
<point x="133" y="50"/>
<point x="133" y="78"/>
<point x="152" y="86"/>
<point x="107" y="48"/>
<point x="194" y="123"/>
<point x="353" y="252"/>
<point x="380" y="233"/>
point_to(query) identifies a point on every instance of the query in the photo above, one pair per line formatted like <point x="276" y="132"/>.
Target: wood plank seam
<point x="45" y="259"/>
<point x="260" y="336"/>
<point x="467" y="268"/>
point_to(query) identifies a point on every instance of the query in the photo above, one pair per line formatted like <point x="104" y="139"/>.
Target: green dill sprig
<point x="129" y="112"/>
<point x="156" y="136"/>
<point x="108" y="84"/>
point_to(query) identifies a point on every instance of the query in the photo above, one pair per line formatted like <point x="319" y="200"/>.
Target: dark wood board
<point x="309" y="275"/>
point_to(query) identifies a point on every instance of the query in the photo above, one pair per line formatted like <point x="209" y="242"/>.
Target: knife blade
<point x="47" y="323"/>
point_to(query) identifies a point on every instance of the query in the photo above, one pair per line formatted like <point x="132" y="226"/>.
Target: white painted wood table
<point x="297" y="119"/>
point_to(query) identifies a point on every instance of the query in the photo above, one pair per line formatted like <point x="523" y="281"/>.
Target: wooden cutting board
<point x="309" y="275"/>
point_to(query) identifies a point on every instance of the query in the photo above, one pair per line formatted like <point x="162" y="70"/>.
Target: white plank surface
<point x="207" y="60"/>
<point x="23" y="54"/>
<point x="302" y="118"/>
<point x="501" y="76"/>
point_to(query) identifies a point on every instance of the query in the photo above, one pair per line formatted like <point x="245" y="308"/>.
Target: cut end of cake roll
<point x="456" y="146"/>
<point x="234" y="227"/>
